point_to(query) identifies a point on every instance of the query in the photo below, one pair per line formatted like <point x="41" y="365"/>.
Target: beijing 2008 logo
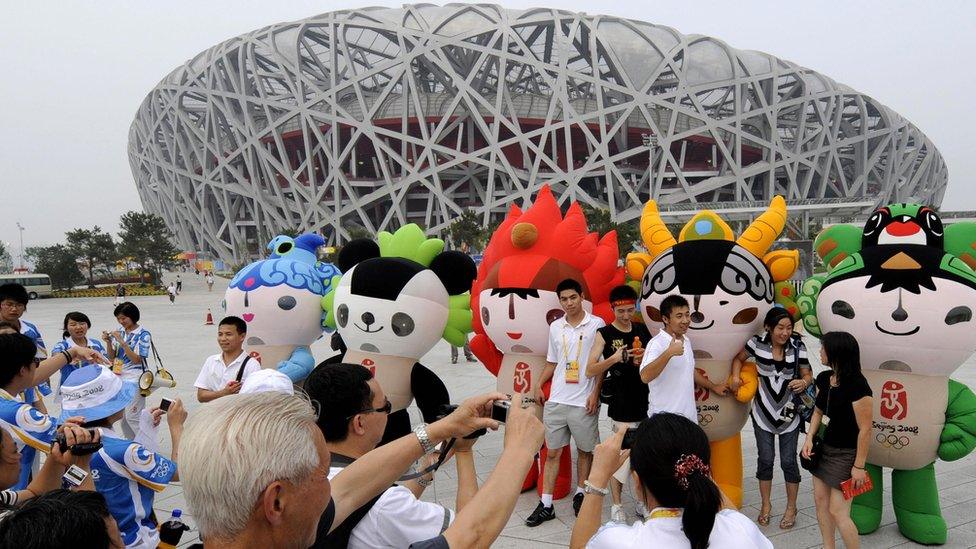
<point x="894" y="400"/>
<point x="522" y="378"/>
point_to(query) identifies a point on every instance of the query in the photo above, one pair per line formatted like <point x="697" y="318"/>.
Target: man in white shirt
<point x="573" y="405"/>
<point x="668" y="366"/>
<point x="353" y="419"/>
<point x="223" y="373"/>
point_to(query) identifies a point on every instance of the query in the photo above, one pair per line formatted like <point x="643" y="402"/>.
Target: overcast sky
<point x="75" y="72"/>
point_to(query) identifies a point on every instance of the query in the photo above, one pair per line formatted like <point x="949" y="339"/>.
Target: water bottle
<point x="172" y="530"/>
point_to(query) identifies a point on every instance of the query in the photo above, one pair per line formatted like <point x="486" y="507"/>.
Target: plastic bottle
<point x="172" y="530"/>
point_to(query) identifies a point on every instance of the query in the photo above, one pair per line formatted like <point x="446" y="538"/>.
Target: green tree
<point x="467" y="229"/>
<point x="6" y="262"/>
<point x="94" y="246"/>
<point x="145" y="239"/>
<point x="57" y="262"/>
<point x="598" y="220"/>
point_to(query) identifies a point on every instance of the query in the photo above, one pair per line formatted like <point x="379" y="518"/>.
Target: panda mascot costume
<point x="280" y="299"/>
<point x="394" y="302"/>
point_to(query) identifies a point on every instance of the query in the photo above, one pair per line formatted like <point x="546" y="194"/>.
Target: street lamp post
<point x="21" y="228"/>
<point x="650" y="141"/>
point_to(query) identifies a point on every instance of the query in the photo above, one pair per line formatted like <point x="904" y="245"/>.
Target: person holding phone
<point x="127" y="472"/>
<point x="224" y="373"/>
<point x="842" y="418"/>
<point x="129" y="348"/>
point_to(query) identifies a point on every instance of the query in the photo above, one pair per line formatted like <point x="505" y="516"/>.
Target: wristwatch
<point x="590" y="489"/>
<point x="421" y="432"/>
<point x="425" y="482"/>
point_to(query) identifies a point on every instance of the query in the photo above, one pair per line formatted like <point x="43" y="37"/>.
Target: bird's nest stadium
<point x="378" y="117"/>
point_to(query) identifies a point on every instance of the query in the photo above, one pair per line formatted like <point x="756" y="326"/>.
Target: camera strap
<point x="445" y="450"/>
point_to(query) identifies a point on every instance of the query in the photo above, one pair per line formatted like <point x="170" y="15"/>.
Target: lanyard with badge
<point x="572" y="366"/>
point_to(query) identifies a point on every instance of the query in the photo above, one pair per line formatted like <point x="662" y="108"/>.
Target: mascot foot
<point x="867" y="518"/>
<point x="923" y="528"/>
<point x="532" y="477"/>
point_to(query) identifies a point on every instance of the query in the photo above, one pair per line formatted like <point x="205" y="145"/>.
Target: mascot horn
<point x="394" y="302"/>
<point x="515" y="300"/>
<point x="730" y="283"/>
<point x="280" y="300"/>
<point x="905" y="288"/>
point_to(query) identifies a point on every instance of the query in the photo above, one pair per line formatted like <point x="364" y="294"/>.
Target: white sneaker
<point x="641" y="511"/>
<point x="617" y="514"/>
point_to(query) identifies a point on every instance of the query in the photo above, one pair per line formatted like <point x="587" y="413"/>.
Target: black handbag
<point x="810" y="463"/>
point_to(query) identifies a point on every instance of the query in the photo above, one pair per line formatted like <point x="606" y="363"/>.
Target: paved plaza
<point x="184" y="342"/>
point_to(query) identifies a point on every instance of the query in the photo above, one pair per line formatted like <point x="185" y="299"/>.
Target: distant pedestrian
<point x="171" y="290"/>
<point x="210" y="281"/>
<point x="119" y="294"/>
<point x="467" y="353"/>
<point x="179" y="284"/>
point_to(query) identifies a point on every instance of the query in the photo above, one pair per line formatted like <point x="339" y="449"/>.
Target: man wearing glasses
<point x="352" y="417"/>
<point x="13" y="305"/>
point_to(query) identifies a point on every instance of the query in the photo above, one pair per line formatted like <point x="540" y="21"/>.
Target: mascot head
<point x="280" y="297"/>
<point x="904" y="286"/>
<point x="729" y="282"/>
<point x="514" y="297"/>
<point x="401" y="296"/>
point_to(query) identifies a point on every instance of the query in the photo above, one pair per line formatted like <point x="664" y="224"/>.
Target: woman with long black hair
<point x="669" y="460"/>
<point x="842" y="419"/>
<point x="784" y="373"/>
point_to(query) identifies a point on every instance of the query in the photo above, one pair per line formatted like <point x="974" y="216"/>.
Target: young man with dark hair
<point x="614" y="360"/>
<point x="573" y="406"/>
<point x="353" y="419"/>
<point x="668" y="366"/>
<point x="224" y="373"/>
<point x="61" y="518"/>
<point x="13" y="305"/>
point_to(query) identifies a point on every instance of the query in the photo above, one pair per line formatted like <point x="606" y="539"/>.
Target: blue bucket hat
<point x="94" y="392"/>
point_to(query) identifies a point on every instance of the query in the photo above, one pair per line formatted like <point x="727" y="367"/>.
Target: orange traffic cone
<point x="209" y="321"/>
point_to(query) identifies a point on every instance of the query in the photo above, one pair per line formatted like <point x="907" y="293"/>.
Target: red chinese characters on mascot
<point x="514" y="297"/>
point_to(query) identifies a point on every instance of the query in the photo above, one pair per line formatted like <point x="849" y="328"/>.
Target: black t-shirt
<point x="629" y="402"/>
<point x="842" y="429"/>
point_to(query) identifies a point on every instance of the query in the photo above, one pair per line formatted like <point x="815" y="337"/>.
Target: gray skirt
<point x="835" y="465"/>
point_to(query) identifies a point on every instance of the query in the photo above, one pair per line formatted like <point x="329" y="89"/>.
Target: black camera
<point x="499" y="410"/>
<point x="83" y="449"/>
<point x="630" y="436"/>
<point x="447" y="409"/>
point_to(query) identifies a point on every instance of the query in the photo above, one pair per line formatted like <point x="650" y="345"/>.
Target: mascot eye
<point x="402" y="324"/>
<point x="554" y="315"/>
<point x="484" y="315"/>
<point x="342" y="315"/>
<point x="745" y="316"/>
<point x="284" y="248"/>
<point x="874" y="222"/>
<point x="842" y="308"/>
<point x="959" y="314"/>
<point x="933" y="223"/>
<point x="287" y="302"/>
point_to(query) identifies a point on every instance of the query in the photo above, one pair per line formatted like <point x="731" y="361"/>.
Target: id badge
<point x="572" y="372"/>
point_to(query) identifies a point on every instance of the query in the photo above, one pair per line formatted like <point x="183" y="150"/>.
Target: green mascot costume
<point x="905" y="287"/>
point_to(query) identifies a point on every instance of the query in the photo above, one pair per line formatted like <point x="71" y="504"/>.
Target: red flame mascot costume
<point x="514" y="297"/>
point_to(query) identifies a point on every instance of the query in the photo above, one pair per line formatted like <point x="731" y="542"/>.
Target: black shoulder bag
<point x="810" y="463"/>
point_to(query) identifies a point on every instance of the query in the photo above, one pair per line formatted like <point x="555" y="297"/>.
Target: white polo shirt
<point x="568" y="343"/>
<point x="397" y="519"/>
<point x="674" y="390"/>
<point x="215" y="375"/>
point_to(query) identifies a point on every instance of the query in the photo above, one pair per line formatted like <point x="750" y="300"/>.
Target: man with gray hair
<point x="255" y="468"/>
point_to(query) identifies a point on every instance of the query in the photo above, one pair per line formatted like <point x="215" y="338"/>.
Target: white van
<point x="36" y="284"/>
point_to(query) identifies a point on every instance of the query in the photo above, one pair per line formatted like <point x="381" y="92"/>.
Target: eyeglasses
<point x="13" y="305"/>
<point x="386" y="409"/>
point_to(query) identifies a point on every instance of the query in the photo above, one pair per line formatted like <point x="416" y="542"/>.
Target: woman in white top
<point x="669" y="459"/>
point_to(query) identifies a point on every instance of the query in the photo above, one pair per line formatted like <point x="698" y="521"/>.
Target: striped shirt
<point x="774" y="379"/>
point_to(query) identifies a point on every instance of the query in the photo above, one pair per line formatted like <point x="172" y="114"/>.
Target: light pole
<point x="21" y="227"/>
<point x="650" y="141"/>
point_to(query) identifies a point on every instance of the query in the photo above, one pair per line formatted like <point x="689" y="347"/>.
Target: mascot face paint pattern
<point x="512" y="317"/>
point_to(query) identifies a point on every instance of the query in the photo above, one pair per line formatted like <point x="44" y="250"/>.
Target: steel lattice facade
<point x="379" y="117"/>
